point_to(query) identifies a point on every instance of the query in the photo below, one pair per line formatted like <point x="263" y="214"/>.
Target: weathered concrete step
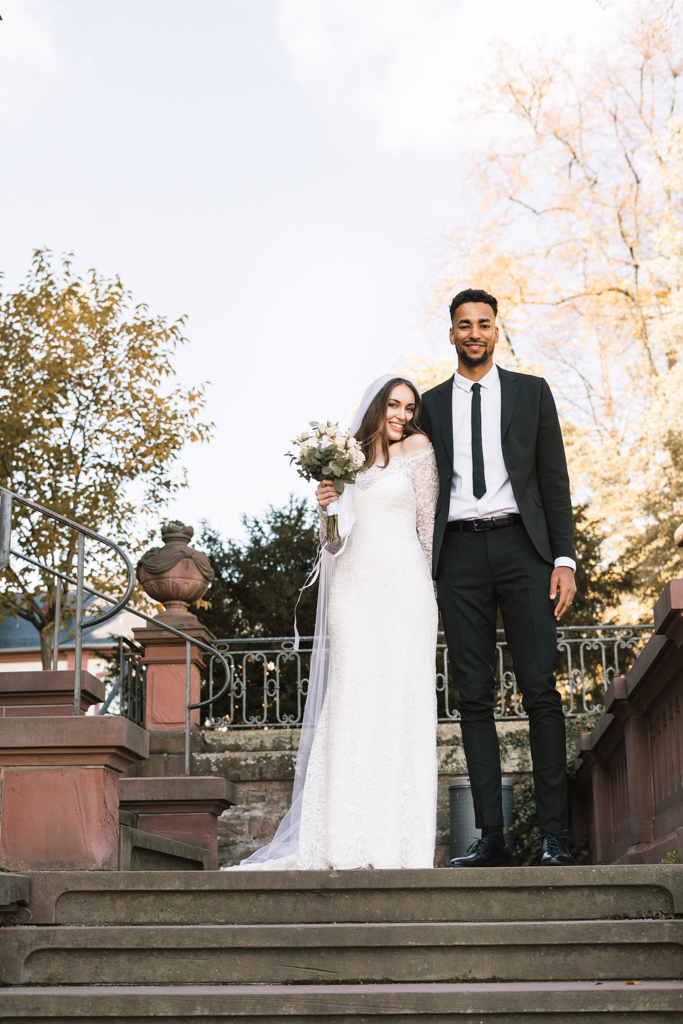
<point x="309" y="897"/>
<point x="144" y="851"/>
<point x="559" y="1003"/>
<point x="14" y="896"/>
<point x="342" y="953"/>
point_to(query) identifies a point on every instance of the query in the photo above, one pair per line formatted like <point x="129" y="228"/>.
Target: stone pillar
<point x="601" y="800"/>
<point x="639" y="776"/>
<point x="165" y="661"/>
<point x="59" y="791"/>
<point x="638" y="765"/>
<point x="176" y="575"/>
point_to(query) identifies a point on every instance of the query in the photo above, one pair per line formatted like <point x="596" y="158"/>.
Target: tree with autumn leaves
<point x="577" y="228"/>
<point x="92" y="426"/>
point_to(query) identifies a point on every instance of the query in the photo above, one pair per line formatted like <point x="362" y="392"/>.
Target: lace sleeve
<point x="336" y="545"/>
<point x="426" y="484"/>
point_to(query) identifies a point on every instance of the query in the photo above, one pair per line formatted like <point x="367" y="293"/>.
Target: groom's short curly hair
<point x="473" y="295"/>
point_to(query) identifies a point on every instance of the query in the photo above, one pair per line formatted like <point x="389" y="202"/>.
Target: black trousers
<point x="479" y="572"/>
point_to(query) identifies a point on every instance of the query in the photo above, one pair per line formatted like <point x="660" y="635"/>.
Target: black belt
<point x="481" y="525"/>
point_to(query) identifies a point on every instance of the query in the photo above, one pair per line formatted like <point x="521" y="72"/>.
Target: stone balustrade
<point x="630" y="766"/>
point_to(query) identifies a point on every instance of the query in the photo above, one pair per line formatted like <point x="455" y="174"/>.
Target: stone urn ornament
<point x="176" y="575"/>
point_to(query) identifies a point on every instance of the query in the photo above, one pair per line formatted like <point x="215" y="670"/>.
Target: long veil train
<point x="286" y="840"/>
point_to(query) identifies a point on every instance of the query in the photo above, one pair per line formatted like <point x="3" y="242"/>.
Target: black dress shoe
<point x="484" y="853"/>
<point x="555" y="851"/>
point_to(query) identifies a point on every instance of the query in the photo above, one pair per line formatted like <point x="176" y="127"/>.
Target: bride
<point x="366" y="775"/>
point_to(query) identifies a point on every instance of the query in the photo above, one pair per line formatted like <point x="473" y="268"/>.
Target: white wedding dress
<point x="369" y="797"/>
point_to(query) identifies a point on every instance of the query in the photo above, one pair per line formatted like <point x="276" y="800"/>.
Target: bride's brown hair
<point x="374" y="423"/>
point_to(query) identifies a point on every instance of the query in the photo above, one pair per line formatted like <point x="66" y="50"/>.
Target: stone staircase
<point x="603" y="943"/>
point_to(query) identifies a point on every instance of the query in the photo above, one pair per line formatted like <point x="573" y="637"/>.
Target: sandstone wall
<point x="261" y="764"/>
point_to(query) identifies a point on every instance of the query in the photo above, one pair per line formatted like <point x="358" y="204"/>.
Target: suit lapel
<point x="509" y="386"/>
<point x="444" y="406"/>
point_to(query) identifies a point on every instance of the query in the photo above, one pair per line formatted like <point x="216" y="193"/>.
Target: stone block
<point x="264" y="828"/>
<point x="59" y="818"/>
<point x="142" y="851"/>
<point x="235" y="740"/>
<point x="498" y="1003"/>
<point x="43" y="694"/>
<point x="279" y="798"/>
<point x="170" y="791"/>
<point x="59" y="800"/>
<point x="195" y="829"/>
<point x="109" y="741"/>
<point x="532" y="951"/>
<point x="668" y="612"/>
<point x="527" y="894"/>
<point x="166" y="680"/>
<point x="168" y="741"/>
<point x="15" y="891"/>
<point x="155" y="765"/>
<point x="231" y="827"/>
<point x="128" y="818"/>
<point x="165" y="700"/>
<point x="180" y="808"/>
<point x="174" y="764"/>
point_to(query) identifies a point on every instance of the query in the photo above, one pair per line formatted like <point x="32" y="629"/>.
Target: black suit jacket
<point x="534" y="458"/>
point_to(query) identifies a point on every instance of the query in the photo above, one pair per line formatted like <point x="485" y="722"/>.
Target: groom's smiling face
<point x="474" y="333"/>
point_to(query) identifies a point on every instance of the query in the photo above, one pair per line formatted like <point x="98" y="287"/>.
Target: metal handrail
<point x="7" y="498"/>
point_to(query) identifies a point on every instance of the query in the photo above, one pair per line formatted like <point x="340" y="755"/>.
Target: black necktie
<point x="478" y="478"/>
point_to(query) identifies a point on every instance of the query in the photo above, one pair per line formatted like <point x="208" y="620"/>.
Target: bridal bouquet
<point x="327" y="453"/>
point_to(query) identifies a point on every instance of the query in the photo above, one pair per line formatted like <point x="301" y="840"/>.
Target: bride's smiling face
<point x="400" y="410"/>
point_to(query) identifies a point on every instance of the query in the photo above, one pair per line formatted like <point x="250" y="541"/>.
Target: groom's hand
<point x="562" y="580"/>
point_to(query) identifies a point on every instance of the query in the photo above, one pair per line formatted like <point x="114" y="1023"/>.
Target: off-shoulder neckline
<point x="401" y="458"/>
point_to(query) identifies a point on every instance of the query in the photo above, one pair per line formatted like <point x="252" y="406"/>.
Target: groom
<point x="503" y="538"/>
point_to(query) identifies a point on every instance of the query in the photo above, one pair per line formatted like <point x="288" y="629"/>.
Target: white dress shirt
<point x="499" y="499"/>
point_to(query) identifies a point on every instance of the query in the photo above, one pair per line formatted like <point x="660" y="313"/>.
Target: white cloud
<point x="404" y="67"/>
<point x="31" y="68"/>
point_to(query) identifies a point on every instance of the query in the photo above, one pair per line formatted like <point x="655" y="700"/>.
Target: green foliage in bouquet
<point x="327" y="453"/>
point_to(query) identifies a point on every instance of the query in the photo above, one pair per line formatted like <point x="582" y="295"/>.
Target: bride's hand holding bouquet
<point x="325" y="494"/>
<point x="331" y="457"/>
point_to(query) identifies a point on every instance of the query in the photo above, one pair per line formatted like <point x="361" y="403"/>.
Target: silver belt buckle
<point x="479" y="529"/>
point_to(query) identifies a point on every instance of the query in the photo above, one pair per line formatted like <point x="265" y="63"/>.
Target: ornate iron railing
<point x="268" y="679"/>
<point x="128" y="693"/>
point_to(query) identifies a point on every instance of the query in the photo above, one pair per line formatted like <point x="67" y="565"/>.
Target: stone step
<point x="310" y="897"/>
<point x="342" y="953"/>
<point x="556" y="1003"/>
<point x="15" y="891"/>
<point x="143" y="851"/>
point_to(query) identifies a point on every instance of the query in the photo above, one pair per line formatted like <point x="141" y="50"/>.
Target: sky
<point x="282" y="172"/>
